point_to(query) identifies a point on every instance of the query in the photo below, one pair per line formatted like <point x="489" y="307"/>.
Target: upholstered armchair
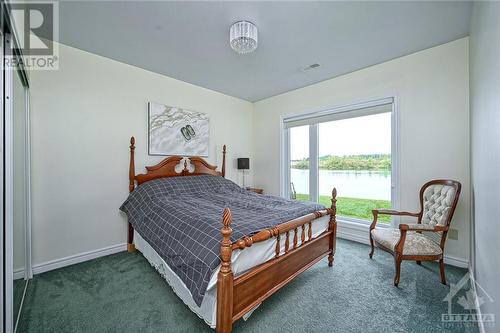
<point x="438" y="200"/>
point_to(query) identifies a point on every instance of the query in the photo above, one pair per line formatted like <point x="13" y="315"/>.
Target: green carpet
<point x="123" y="293"/>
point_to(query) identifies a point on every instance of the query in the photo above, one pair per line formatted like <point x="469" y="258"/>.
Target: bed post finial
<point x="334" y="199"/>
<point x="131" y="170"/>
<point x="131" y="186"/>
<point x="225" y="279"/>
<point x="223" y="161"/>
<point x="226" y="232"/>
<point x="332" y="227"/>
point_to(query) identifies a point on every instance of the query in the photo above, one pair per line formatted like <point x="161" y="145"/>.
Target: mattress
<point x="180" y="217"/>
<point x="242" y="261"/>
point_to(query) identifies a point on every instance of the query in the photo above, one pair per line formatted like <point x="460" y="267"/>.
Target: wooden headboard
<point x="166" y="168"/>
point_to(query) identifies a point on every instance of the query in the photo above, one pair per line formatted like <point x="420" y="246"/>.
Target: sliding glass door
<point x="352" y="149"/>
<point x="355" y="157"/>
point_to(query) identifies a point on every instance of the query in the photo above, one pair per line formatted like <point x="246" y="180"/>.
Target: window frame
<point x="347" y="110"/>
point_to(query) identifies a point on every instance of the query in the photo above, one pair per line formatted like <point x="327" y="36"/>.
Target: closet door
<point x="19" y="190"/>
<point x="17" y="198"/>
<point x="3" y="294"/>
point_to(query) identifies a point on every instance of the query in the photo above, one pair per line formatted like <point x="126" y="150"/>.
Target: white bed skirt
<point x="241" y="261"/>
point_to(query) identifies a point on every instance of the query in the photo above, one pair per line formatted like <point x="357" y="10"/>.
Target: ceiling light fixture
<point x="243" y="37"/>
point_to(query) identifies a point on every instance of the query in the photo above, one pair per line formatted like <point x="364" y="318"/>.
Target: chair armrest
<point x="377" y="212"/>
<point x="421" y="227"/>
<point x="393" y="212"/>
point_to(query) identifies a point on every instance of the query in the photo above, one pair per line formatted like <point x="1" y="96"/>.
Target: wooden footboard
<point x="235" y="297"/>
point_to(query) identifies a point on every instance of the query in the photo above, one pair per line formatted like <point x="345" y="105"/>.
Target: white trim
<point x="285" y="155"/>
<point x="346" y="230"/>
<point x="395" y="153"/>
<point x="313" y="163"/>
<point x="358" y="221"/>
<point x="339" y="109"/>
<point x="27" y="163"/>
<point x="78" y="258"/>
<point x="19" y="274"/>
<point x="457" y="262"/>
<point x="353" y="231"/>
<point x="358" y="232"/>
<point x="3" y="275"/>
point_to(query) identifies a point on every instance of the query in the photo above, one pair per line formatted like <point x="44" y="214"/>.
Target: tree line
<point x="375" y="162"/>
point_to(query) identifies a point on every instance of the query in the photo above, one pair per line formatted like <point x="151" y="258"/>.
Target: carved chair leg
<point x="419" y="262"/>
<point x="441" y="270"/>
<point x="397" y="262"/>
<point x="373" y="247"/>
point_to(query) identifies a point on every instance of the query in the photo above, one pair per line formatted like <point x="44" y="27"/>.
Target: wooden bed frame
<point x="237" y="296"/>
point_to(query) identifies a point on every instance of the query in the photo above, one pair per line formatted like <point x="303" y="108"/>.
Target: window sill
<point x="356" y="230"/>
<point x="359" y="224"/>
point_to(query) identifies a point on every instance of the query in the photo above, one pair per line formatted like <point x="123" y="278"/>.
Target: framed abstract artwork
<point x="177" y="131"/>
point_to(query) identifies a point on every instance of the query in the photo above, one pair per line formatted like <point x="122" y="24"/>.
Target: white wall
<point x="485" y="150"/>
<point x="432" y="90"/>
<point x="82" y="118"/>
<point x="84" y="114"/>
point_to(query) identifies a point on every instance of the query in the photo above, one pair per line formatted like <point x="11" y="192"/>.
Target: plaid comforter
<point x="181" y="218"/>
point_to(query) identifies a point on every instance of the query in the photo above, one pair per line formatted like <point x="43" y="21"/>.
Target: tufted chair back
<point x="438" y="199"/>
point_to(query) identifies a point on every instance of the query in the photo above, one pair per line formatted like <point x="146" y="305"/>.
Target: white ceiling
<point x="189" y="41"/>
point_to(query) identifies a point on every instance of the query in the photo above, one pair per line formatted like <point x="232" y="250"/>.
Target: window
<point x="349" y="148"/>
<point x="299" y="163"/>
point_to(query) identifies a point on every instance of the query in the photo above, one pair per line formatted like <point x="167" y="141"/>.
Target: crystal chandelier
<point x="243" y="37"/>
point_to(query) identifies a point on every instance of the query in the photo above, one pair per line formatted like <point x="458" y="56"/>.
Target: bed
<point x="180" y="214"/>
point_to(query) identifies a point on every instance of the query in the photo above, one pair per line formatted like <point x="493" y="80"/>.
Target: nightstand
<point x="256" y="190"/>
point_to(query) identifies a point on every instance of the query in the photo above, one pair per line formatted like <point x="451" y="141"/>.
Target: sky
<point x="354" y="136"/>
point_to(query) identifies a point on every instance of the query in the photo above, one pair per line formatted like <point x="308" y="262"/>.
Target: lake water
<point x="349" y="183"/>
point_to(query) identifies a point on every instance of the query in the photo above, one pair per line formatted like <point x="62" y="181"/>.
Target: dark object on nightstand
<point x="243" y="164"/>
<point x="256" y="190"/>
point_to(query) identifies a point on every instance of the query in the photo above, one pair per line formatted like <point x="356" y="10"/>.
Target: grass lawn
<point x="353" y="207"/>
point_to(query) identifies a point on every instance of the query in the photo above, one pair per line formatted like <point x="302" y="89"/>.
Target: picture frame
<point x="177" y="131"/>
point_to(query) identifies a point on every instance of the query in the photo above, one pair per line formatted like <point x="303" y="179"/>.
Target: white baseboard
<point x="18" y="273"/>
<point x="457" y="262"/>
<point x="346" y="230"/>
<point x="78" y="258"/>
<point x="359" y="233"/>
<point x="353" y="232"/>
